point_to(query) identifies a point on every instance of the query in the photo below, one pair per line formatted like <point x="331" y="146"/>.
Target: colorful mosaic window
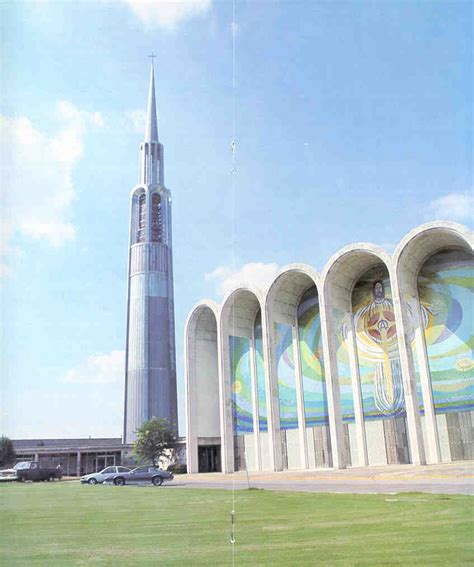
<point x="377" y="346"/>
<point x="241" y="384"/>
<point x="343" y="368"/>
<point x="286" y="376"/>
<point x="445" y="287"/>
<point x="312" y="364"/>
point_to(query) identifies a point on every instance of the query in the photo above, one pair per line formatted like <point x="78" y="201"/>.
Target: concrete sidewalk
<point x="449" y="478"/>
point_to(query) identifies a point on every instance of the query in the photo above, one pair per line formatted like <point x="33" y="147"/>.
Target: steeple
<point x="151" y="151"/>
<point x="150" y="368"/>
<point x="151" y="128"/>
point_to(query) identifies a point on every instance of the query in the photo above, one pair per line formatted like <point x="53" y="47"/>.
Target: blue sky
<point x="353" y="123"/>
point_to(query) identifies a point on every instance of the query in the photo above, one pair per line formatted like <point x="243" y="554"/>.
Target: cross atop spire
<point x="151" y="128"/>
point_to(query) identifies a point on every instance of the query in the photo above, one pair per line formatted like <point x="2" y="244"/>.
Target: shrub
<point x="178" y="469"/>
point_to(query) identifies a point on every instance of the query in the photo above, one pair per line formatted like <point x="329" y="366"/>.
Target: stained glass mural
<point x="312" y="364"/>
<point x="377" y="346"/>
<point x="241" y="384"/>
<point x="445" y="286"/>
<point x="286" y="376"/>
<point x="416" y="368"/>
<point x="343" y="367"/>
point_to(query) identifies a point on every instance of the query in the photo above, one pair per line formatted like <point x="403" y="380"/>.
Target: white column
<point x="404" y="336"/>
<point x="190" y="406"/>
<point x="255" y="406"/>
<point x="356" y="393"/>
<point x="425" y="378"/>
<point x="303" y="442"/>
<point x="332" y="382"/>
<point x="271" y="386"/>
<point x="225" y="400"/>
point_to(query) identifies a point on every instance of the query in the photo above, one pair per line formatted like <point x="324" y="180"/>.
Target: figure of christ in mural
<point x="376" y="333"/>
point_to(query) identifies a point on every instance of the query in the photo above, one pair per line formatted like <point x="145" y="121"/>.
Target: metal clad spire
<point x="151" y="128"/>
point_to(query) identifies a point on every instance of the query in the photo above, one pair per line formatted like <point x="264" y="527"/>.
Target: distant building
<point x="76" y="456"/>
<point x="150" y="373"/>
<point x="369" y="363"/>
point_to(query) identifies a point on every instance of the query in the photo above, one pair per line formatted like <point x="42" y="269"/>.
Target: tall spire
<point x="151" y="128"/>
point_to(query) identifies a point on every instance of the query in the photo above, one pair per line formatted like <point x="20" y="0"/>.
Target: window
<point x="156" y="219"/>
<point x="141" y="218"/>
<point x="108" y="470"/>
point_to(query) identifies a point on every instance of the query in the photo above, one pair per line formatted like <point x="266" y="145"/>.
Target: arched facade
<point x="433" y="266"/>
<point x="296" y="368"/>
<point x="203" y="428"/>
<point x="367" y="364"/>
<point x="243" y="448"/>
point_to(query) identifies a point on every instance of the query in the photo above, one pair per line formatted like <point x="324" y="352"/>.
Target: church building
<point x="367" y="363"/>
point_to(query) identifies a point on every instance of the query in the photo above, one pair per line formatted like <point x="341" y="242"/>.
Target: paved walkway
<point x="447" y="478"/>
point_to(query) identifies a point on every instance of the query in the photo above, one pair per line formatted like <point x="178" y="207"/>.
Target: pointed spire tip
<point x="151" y="128"/>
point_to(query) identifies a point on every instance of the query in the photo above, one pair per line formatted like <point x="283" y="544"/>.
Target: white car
<point x="98" y="477"/>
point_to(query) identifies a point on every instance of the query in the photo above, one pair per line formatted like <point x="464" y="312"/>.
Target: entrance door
<point x="209" y="458"/>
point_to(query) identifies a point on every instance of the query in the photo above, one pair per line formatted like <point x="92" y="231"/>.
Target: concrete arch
<point x="202" y="386"/>
<point x="346" y="266"/>
<point x="296" y="447"/>
<point x="240" y="295"/>
<point x="236" y="323"/>
<point x="284" y="293"/>
<point x="422" y="242"/>
<point x="340" y="276"/>
<point x="409" y="257"/>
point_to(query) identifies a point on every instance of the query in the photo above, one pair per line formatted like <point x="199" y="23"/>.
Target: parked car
<point x="31" y="470"/>
<point x="141" y="474"/>
<point x="98" y="477"/>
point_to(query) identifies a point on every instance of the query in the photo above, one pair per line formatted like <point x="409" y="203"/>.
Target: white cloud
<point x="98" y="369"/>
<point x="256" y="274"/>
<point x="453" y="206"/>
<point x="136" y="119"/>
<point x="36" y="175"/>
<point x="167" y="13"/>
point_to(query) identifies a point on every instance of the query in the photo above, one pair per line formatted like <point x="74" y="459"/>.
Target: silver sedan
<point x="98" y="477"/>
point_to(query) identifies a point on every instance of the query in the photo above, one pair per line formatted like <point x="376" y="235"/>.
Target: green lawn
<point x="61" y="524"/>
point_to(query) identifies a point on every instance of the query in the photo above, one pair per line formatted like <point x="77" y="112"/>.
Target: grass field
<point x="61" y="524"/>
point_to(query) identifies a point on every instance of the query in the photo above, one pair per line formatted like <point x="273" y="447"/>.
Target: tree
<point x="7" y="452"/>
<point x="153" y="438"/>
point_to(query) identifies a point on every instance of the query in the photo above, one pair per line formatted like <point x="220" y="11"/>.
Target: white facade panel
<point x="356" y="458"/>
<point x="293" y="449"/>
<point x="443" y="437"/>
<point x="376" y="443"/>
<point x="311" y="451"/>
<point x="249" y="443"/>
<point x="265" y="451"/>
